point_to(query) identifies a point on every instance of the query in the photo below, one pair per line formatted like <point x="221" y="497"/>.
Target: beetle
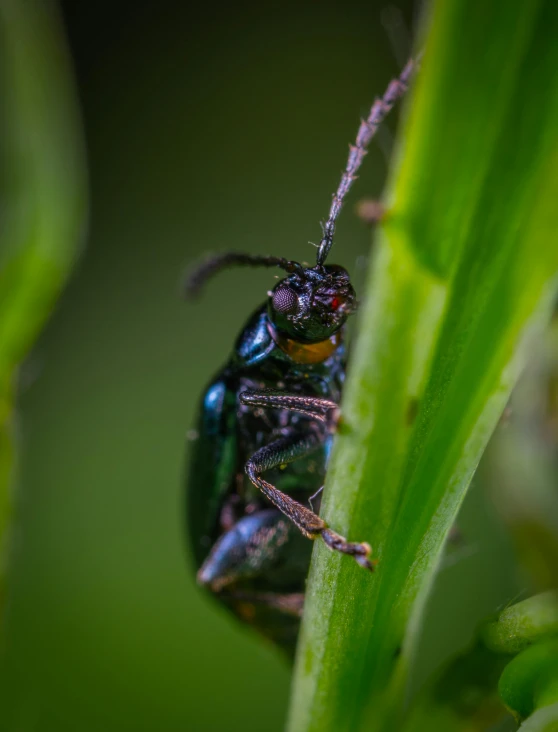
<point x="272" y="411"/>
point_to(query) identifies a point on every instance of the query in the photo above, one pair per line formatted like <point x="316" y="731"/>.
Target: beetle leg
<point x="290" y="603"/>
<point x="253" y="547"/>
<point x="323" y="410"/>
<point x="285" y="450"/>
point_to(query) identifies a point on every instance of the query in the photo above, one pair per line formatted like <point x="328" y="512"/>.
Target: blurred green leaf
<point x="43" y="192"/>
<point x="523" y="624"/>
<point x="463" y="694"/>
<point x="530" y="681"/>
<point x="464" y="276"/>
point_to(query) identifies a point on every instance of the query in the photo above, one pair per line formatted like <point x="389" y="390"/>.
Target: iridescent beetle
<point x="272" y="411"/>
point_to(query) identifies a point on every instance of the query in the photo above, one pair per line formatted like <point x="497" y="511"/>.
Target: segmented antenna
<point x="366" y="131"/>
<point x="214" y="264"/>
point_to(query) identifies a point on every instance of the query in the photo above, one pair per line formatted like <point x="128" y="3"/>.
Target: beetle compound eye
<point x="285" y="301"/>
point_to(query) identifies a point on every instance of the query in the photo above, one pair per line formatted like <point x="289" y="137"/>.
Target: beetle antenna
<point x="214" y="264"/>
<point x="367" y="130"/>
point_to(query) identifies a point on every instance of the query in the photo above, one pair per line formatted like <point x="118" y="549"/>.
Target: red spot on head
<point x="335" y="303"/>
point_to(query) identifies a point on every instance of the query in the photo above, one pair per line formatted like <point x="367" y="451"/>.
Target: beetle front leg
<point x="285" y="450"/>
<point x="323" y="410"/>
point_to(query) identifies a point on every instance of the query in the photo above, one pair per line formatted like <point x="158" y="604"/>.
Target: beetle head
<point x="311" y="304"/>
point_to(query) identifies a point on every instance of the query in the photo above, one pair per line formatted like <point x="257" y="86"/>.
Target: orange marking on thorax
<point x="306" y="352"/>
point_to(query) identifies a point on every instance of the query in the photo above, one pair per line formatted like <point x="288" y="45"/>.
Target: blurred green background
<point x="218" y="127"/>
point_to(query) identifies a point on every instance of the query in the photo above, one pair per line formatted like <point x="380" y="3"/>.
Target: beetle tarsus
<point x="359" y="551"/>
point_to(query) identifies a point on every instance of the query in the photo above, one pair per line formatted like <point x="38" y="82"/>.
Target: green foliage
<point x="523" y="624"/>
<point x="43" y="192"/>
<point x="513" y="661"/>
<point x="463" y="277"/>
<point x="530" y="680"/>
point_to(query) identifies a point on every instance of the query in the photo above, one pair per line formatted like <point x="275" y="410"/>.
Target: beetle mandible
<point x="273" y="405"/>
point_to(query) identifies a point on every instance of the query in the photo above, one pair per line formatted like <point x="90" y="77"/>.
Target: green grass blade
<point x="43" y="192"/>
<point x="465" y="272"/>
